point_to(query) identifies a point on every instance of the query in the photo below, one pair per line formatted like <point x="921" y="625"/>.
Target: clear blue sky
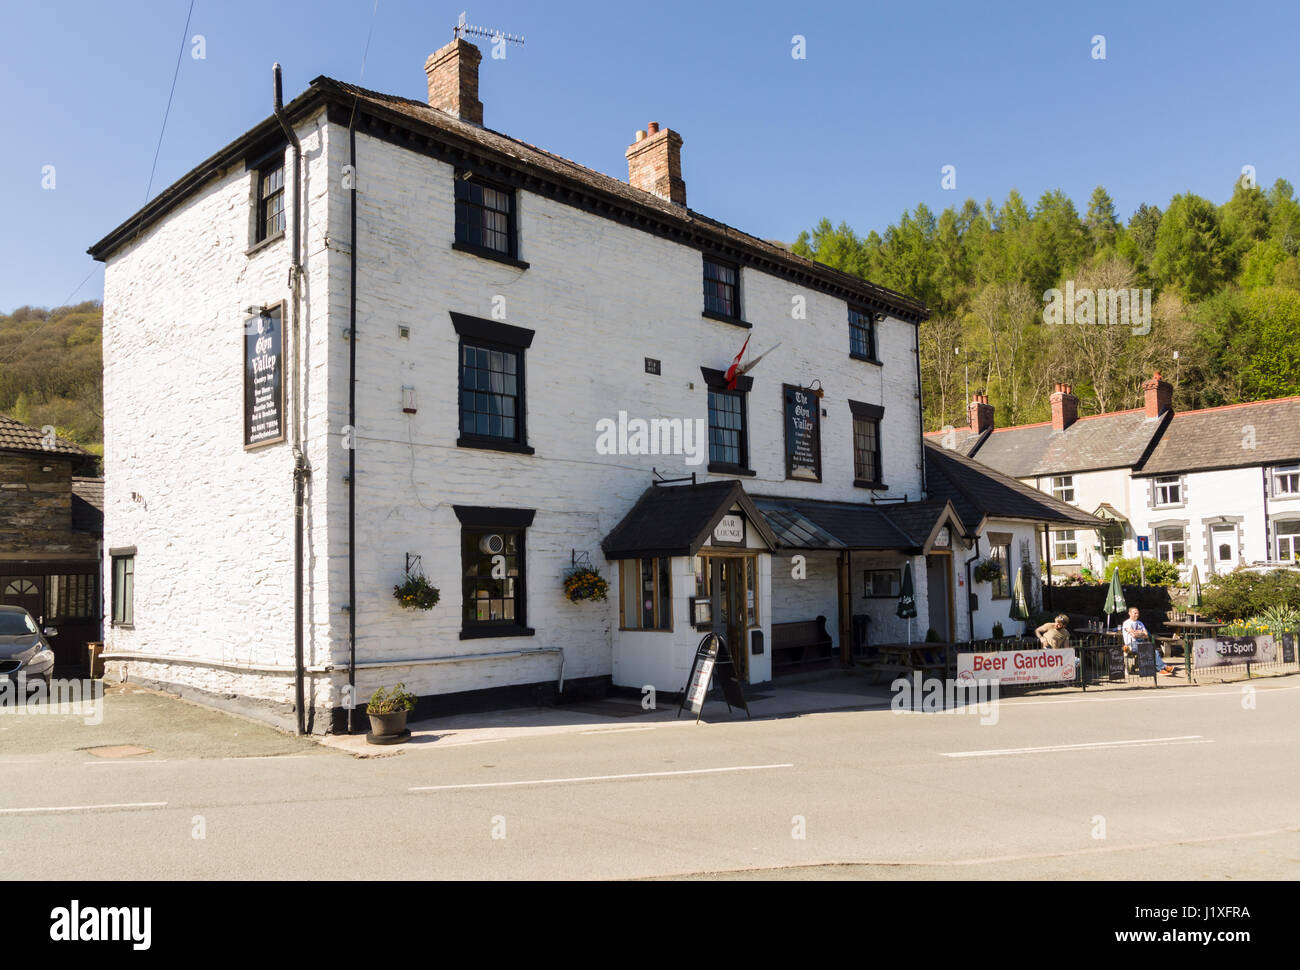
<point x="889" y="93"/>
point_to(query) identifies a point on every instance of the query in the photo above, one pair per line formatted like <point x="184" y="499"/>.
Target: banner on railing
<point x="1228" y="651"/>
<point x="1018" y="666"/>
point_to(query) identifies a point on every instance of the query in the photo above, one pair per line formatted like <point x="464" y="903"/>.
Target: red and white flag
<point x="735" y="365"/>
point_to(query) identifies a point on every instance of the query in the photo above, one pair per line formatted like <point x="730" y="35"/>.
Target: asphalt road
<point x="1196" y="783"/>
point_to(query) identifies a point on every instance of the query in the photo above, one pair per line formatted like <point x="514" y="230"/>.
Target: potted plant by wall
<point x="585" y="583"/>
<point x="997" y="631"/>
<point x="387" y="711"/>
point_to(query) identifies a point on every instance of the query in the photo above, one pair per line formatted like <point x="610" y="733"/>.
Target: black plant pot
<point x="388" y="728"/>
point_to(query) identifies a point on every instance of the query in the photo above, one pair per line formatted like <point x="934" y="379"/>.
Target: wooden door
<point x="24" y="591"/>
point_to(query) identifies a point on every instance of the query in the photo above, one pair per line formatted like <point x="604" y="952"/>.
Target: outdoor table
<point x="1200" y="626"/>
<point x="904" y="658"/>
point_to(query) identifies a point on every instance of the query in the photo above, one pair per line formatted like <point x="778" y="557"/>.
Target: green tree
<point x="1101" y="222"/>
<point x="1190" y="252"/>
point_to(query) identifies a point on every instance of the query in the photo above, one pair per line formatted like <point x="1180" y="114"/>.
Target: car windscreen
<point x="16" y="624"/>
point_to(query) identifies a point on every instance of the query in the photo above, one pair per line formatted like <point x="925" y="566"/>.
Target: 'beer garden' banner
<point x="1018" y="666"/>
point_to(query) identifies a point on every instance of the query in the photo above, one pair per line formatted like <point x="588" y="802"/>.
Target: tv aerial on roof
<point x="463" y="29"/>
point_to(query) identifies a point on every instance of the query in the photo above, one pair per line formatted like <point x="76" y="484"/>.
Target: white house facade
<point x="372" y="338"/>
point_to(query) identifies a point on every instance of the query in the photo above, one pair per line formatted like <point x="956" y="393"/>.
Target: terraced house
<point x="373" y="338"/>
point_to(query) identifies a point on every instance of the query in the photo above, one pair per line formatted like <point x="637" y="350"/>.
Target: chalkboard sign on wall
<point x="803" y="434"/>
<point x="264" y="378"/>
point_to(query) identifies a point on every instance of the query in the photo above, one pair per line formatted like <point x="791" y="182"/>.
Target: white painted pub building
<point x="372" y="337"/>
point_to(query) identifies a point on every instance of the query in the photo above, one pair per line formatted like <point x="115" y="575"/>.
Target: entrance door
<point x="729" y="574"/>
<point x="24" y="591"/>
<point x="1223" y="547"/>
<point x="937" y="589"/>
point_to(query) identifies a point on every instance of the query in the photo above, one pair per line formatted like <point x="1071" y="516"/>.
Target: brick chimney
<point x="453" y="80"/>
<point x="654" y="163"/>
<point x="980" y="413"/>
<point x="1160" y="396"/>
<point x="1065" y="407"/>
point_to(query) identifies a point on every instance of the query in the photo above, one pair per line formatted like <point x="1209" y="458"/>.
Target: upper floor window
<point x="721" y="288"/>
<point x="492" y="384"/>
<point x="867" y="472"/>
<point x="1063" y="488"/>
<point x="728" y="423"/>
<point x="1065" y="546"/>
<point x="1168" y="490"/>
<point x="485" y="217"/>
<point x="270" y="201"/>
<point x="1286" y="481"/>
<point x="862" y="334"/>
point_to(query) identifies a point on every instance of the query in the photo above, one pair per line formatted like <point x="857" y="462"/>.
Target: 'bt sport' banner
<point x="1018" y="666"/>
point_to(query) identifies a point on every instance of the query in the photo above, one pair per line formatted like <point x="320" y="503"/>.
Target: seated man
<point x="1054" y="635"/>
<point x="1135" y="632"/>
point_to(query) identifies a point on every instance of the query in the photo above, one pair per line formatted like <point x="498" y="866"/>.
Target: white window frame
<point x="1063" y="485"/>
<point x="1059" y="541"/>
<point x="1166" y="482"/>
<point x="1289" y="473"/>
<point x="1167" y="545"/>
<point x="1291" y="539"/>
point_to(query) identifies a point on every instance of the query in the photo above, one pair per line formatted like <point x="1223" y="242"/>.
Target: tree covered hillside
<point x="51" y="370"/>
<point x="1225" y="284"/>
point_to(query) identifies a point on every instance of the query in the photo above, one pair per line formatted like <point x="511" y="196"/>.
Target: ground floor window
<point x="1288" y="540"/>
<point x="493" y="571"/>
<point x="1066" y="546"/>
<point x="123" y="590"/>
<point x="646" y="592"/>
<point x="1171" y="545"/>
<point x="71" y="597"/>
<point x="1112" y="540"/>
<point x="1001" y="555"/>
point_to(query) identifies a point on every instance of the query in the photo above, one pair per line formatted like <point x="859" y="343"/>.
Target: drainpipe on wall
<point x="301" y="472"/>
<point x="352" y="420"/>
<point x="970" y="592"/>
<point x="920" y="410"/>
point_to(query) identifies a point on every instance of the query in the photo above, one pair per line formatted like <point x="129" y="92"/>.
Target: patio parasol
<point x="907" y="600"/>
<point x="1019" y="601"/>
<point x="1194" y="600"/>
<point x="1114" y="596"/>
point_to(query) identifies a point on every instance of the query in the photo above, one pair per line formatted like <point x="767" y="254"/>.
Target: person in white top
<point x="1135" y="631"/>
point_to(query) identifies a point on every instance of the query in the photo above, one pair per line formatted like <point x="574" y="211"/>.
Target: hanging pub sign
<point x="803" y="434"/>
<point x="264" y="378"/>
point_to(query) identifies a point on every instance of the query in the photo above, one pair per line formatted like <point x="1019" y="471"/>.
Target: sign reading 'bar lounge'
<point x="263" y="379"/>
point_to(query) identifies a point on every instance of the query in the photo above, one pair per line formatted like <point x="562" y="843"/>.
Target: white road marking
<point x="267" y="757"/>
<point x="120" y="764"/>
<point x="562" y="781"/>
<point x="622" y="730"/>
<point x="79" y="808"/>
<point x="462" y="744"/>
<point x="1140" y="742"/>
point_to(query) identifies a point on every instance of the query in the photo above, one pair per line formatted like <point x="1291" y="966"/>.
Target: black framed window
<point x="721" y="288"/>
<point x="485" y="217"/>
<point x="493" y="571"/>
<point x="862" y="334"/>
<point x="727" y="432"/>
<point x="491" y="389"/>
<point x="491" y="385"/>
<point x="867" y="460"/>
<point x="123" y="590"/>
<point x="270" y="201"/>
<point x="71" y="597"/>
<point x="1001" y="554"/>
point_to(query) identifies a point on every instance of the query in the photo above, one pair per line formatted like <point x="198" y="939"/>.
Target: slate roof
<point x="88" y="505"/>
<point x="816" y="524"/>
<point x="962" y="440"/>
<point x="1215" y="438"/>
<point x="1118" y="439"/>
<point x="675" y="520"/>
<point x="978" y="492"/>
<point x="418" y="116"/>
<point x="16" y="436"/>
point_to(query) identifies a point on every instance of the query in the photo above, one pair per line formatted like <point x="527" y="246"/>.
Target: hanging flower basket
<point x="987" y="571"/>
<point x="585" y="583"/>
<point x="415" y="593"/>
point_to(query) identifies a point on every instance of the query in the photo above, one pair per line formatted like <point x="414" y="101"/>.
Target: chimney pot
<point x="1159" y="396"/>
<point x="453" y="80"/>
<point x="980" y="413"/>
<point x="654" y="164"/>
<point x="1065" y="407"/>
<point x="640" y="135"/>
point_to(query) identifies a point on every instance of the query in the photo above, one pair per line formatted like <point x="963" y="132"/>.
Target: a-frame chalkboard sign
<point x="712" y="659"/>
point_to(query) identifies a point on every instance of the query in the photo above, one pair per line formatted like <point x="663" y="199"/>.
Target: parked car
<point x="23" y="647"/>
